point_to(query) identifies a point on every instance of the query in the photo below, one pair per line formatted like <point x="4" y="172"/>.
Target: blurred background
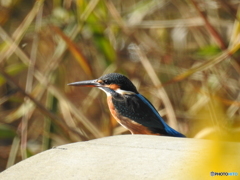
<point x="183" y="55"/>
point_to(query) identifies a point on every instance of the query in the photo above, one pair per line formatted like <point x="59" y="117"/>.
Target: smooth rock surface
<point x="132" y="157"/>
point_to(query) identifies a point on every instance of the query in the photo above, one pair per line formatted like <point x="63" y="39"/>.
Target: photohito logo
<point x="223" y="173"/>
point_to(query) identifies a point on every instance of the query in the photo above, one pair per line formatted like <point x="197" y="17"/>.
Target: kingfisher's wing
<point x="140" y="110"/>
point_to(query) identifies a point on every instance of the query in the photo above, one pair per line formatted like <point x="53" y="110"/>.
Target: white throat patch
<point x="108" y="94"/>
<point x="123" y="92"/>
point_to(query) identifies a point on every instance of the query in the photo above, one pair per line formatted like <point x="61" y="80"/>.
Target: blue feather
<point x="167" y="128"/>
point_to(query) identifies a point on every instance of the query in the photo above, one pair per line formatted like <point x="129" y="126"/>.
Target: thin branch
<point x="209" y="27"/>
<point x="61" y="123"/>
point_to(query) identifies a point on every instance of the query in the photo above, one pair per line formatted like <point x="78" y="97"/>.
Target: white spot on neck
<point x="119" y="91"/>
<point x="123" y="92"/>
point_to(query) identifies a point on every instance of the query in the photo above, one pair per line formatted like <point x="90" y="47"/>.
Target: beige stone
<point x="132" y="157"/>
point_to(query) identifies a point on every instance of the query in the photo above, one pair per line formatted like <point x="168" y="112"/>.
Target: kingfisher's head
<point x="112" y="82"/>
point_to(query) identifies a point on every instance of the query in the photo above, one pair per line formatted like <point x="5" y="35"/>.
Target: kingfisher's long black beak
<point x="89" y="83"/>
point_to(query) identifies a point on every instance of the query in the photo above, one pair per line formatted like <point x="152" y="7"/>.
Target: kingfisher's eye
<point x="106" y="82"/>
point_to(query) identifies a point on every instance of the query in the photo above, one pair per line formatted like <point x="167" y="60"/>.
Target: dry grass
<point x="182" y="55"/>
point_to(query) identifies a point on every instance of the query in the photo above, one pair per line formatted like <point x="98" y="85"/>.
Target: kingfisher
<point x="130" y="109"/>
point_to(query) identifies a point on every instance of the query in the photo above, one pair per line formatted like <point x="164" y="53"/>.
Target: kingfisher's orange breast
<point x="132" y="126"/>
<point x="112" y="108"/>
